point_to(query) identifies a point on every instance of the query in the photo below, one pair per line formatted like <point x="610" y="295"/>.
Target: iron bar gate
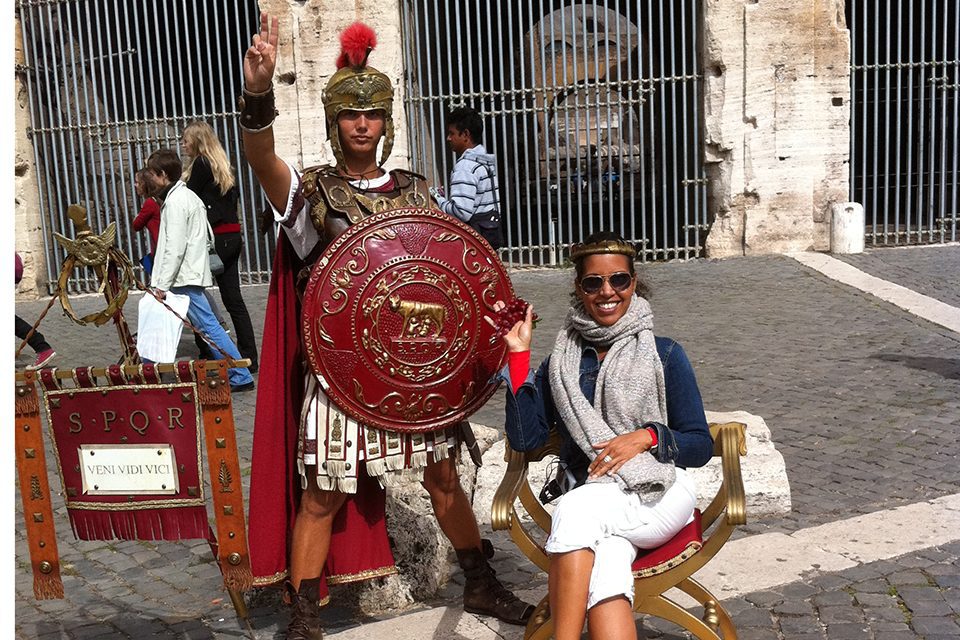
<point x="905" y="76"/>
<point x="591" y="107"/>
<point x="110" y="81"/>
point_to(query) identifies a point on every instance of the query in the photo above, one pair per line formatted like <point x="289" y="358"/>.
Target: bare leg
<point x="311" y="532"/>
<point x="569" y="585"/>
<point x="612" y="619"/>
<point x="450" y="504"/>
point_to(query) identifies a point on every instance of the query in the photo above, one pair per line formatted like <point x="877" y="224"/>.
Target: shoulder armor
<point x="405" y="178"/>
<point x="308" y="179"/>
<point x="414" y="191"/>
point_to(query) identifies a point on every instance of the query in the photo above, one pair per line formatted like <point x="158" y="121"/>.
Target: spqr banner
<point x="128" y="452"/>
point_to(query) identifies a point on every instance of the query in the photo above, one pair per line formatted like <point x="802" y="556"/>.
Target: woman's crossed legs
<point x="597" y="529"/>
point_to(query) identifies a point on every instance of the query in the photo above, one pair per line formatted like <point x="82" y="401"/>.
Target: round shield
<point x="393" y="320"/>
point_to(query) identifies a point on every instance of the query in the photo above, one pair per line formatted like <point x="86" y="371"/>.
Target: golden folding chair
<point x="655" y="571"/>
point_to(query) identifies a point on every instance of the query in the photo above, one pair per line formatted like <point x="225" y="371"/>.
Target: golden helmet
<point x="357" y="87"/>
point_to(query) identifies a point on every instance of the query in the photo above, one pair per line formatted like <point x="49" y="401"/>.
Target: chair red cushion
<point x="671" y="553"/>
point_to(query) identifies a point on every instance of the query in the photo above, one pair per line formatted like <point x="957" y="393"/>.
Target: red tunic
<point x="359" y="547"/>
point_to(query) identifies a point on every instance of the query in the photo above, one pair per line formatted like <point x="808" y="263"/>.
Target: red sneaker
<point x="43" y="358"/>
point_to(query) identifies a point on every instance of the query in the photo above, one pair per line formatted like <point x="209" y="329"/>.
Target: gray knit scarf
<point x="630" y="391"/>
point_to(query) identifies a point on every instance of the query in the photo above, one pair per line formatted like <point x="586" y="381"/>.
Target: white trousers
<point x="614" y="524"/>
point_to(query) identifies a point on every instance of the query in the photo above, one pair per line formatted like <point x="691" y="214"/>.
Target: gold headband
<point x="579" y="250"/>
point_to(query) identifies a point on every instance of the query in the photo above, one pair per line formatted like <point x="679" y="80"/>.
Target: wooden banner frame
<point x="216" y="409"/>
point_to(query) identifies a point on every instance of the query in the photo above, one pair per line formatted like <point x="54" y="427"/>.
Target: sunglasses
<point x="620" y="281"/>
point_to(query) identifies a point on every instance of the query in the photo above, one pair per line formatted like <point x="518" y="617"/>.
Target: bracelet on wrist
<point x="257" y="110"/>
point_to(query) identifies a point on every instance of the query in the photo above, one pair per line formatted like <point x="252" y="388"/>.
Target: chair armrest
<point x="741" y="431"/>
<point x="513" y="479"/>
<point x="730" y="442"/>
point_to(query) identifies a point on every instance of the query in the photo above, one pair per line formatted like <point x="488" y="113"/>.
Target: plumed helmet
<point x="357" y="87"/>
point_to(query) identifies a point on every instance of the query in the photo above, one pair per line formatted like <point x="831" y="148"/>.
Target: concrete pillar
<point x="776" y="120"/>
<point x="847" y="228"/>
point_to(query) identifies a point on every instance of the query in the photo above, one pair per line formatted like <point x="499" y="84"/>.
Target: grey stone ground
<point x="862" y="399"/>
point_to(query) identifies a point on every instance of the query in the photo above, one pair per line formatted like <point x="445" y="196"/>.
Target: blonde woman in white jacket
<point x="182" y="262"/>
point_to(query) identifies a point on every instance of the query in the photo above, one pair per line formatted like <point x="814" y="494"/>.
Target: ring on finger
<point x="607" y="459"/>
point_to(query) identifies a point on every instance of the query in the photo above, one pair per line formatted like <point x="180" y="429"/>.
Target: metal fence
<point x="905" y="76"/>
<point x="110" y="82"/>
<point x="592" y="109"/>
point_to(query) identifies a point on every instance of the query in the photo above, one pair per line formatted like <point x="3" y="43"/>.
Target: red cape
<point x="359" y="547"/>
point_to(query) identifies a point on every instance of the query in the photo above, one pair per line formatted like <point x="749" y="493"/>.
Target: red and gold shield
<point x="393" y="320"/>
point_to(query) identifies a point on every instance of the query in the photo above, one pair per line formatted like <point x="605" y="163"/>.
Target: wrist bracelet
<point x="257" y="110"/>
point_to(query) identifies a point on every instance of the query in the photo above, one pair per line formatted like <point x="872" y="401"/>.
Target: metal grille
<point x="905" y="82"/>
<point x="592" y="109"/>
<point x="110" y="82"/>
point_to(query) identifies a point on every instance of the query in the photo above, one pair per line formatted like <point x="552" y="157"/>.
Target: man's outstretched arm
<point x="257" y="114"/>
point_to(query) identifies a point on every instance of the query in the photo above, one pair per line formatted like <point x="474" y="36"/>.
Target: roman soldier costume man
<point x="317" y="485"/>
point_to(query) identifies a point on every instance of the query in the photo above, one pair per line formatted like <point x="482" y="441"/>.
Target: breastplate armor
<point x="335" y="204"/>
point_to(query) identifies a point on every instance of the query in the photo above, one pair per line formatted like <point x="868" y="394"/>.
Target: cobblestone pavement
<point x="861" y="398"/>
<point x="928" y="270"/>
<point x="915" y="595"/>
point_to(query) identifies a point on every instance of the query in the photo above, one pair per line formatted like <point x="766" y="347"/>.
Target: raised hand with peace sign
<point x="260" y="60"/>
<point x="258" y="111"/>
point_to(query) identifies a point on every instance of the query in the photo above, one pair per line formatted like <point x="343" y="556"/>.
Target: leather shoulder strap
<point x="404" y="179"/>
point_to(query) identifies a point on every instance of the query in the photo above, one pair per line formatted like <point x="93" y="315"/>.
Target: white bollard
<point x="847" y="228"/>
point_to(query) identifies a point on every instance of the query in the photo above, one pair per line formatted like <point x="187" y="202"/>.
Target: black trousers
<point x="228" y="247"/>
<point x="36" y="341"/>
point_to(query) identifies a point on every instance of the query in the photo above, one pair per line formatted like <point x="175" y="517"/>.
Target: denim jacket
<point x="531" y="413"/>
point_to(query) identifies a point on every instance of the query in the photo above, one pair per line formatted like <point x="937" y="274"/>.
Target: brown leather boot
<point x="483" y="593"/>
<point x="305" y="617"/>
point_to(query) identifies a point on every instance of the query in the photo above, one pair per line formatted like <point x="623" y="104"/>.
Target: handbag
<point x="216" y="264"/>
<point x="563" y="480"/>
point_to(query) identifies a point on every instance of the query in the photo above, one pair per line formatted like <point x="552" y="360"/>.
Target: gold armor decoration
<point x="328" y="191"/>
<point x="420" y="319"/>
<point x="90" y="250"/>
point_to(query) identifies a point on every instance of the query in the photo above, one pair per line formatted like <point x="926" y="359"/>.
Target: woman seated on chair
<point x="629" y="415"/>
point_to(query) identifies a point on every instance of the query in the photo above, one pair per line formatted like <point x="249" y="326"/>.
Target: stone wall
<point x="309" y="45"/>
<point x="26" y="205"/>
<point x="776" y="115"/>
<point x="776" y="119"/>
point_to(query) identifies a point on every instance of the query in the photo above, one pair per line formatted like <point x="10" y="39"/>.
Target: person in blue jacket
<point x="630" y="419"/>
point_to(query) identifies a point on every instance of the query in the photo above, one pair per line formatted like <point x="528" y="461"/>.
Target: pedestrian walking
<point x="474" y="188"/>
<point x="149" y="216"/>
<point x="182" y="263"/>
<point x="208" y="173"/>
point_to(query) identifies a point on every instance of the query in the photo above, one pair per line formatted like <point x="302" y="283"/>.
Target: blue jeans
<point x="202" y="317"/>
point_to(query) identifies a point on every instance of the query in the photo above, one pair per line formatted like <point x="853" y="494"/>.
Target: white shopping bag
<point x="158" y="330"/>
